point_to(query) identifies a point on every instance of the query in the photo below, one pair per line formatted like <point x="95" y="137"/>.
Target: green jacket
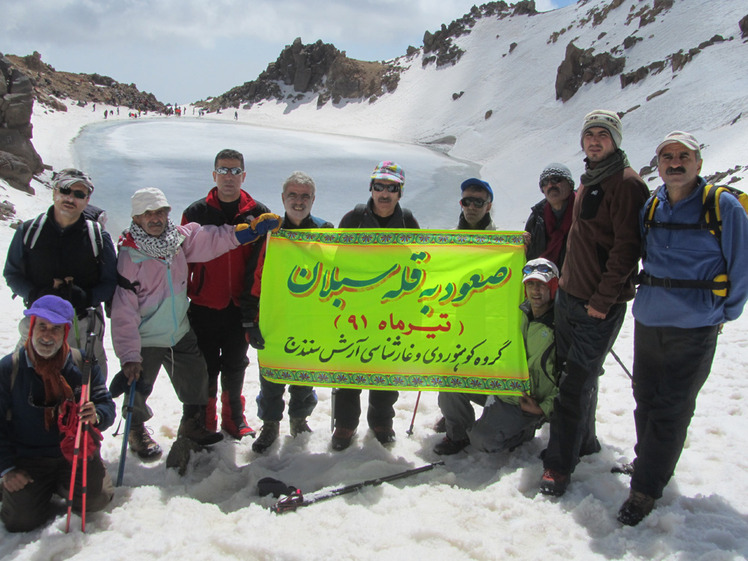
<point x="540" y="347"/>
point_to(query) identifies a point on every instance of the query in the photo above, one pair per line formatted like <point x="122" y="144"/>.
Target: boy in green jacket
<point x="508" y="421"/>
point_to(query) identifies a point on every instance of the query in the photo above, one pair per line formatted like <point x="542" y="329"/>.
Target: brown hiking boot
<point x="298" y="426"/>
<point x="636" y="507"/>
<point x="341" y="438"/>
<point x="192" y="428"/>
<point x="142" y="444"/>
<point x="554" y="483"/>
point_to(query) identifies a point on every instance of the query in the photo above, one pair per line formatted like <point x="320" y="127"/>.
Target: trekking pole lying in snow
<point x="82" y="430"/>
<point x="125" y="436"/>
<point x="413" y="419"/>
<point x="619" y="361"/>
<point x="297" y="499"/>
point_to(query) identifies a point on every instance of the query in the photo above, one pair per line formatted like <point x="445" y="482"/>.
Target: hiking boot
<point x="142" y="444"/>
<point x="636" y="507"/>
<point x="441" y="425"/>
<point x="268" y="434"/>
<point x="385" y="435"/>
<point x="298" y="425"/>
<point x="341" y="438"/>
<point x="192" y="428"/>
<point x="447" y="446"/>
<point x="554" y="483"/>
<point x="233" y="422"/>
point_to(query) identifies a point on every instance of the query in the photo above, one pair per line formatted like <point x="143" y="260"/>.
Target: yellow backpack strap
<point x="712" y="214"/>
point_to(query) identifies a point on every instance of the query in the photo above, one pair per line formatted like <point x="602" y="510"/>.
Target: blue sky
<point x="185" y="50"/>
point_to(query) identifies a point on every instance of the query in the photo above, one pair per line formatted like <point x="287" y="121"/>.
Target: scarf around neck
<point x="56" y="387"/>
<point x="557" y="229"/>
<point x="610" y="165"/>
<point x="165" y="246"/>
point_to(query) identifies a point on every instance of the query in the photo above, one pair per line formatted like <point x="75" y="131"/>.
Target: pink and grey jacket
<point x="150" y="304"/>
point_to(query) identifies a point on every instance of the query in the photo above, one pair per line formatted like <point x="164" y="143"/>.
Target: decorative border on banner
<point x="401" y="237"/>
<point x="414" y="382"/>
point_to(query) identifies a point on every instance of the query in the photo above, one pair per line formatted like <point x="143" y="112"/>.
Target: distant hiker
<point x="236" y="115"/>
<point x="215" y="288"/>
<point x="65" y="252"/>
<point x="693" y="281"/>
<point x="507" y="422"/>
<point x="476" y="201"/>
<point x="38" y="384"/>
<point x="602" y="253"/>
<point x="149" y="313"/>
<point x="298" y="198"/>
<point x="549" y="223"/>
<point x="383" y="210"/>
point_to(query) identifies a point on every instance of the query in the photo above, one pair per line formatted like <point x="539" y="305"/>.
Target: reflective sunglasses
<point x="75" y="192"/>
<point x="391" y="187"/>
<point x="540" y="268"/>
<point x="474" y="201"/>
<point x="555" y="179"/>
<point x="232" y="171"/>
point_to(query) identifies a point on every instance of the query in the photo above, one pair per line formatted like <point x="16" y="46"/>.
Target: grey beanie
<point x="556" y="169"/>
<point x="607" y="120"/>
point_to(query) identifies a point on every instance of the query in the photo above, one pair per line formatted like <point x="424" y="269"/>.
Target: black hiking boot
<point x="268" y="434"/>
<point x="385" y="435"/>
<point x="342" y="438"/>
<point x="636" y="507"/>
<point x="142" y="443"/>
<point x="554" y="483"/>
<point x="447" y="446"/>
<point x="440" y="425"/>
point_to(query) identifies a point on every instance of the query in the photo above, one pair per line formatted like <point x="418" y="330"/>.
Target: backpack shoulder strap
<point x="77" y="357"/>
<point x="94" y="234"/>
<point x="33" y="231"/>
<point x="650" y="207"/>
<point x="408" y="219"/>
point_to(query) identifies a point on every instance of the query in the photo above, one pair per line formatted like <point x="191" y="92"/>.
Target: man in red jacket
<point x="214" y="290"/>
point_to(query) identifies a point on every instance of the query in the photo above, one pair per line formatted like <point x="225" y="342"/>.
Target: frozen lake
<point x="177" y="157"/>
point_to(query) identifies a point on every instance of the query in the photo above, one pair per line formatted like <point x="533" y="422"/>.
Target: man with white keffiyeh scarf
<point x="150" y="328"/>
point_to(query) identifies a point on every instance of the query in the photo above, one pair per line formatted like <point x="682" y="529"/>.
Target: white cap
<point x="684" y="138"/>
<point x="540" y="269"/>
<point x="146" y="199"/>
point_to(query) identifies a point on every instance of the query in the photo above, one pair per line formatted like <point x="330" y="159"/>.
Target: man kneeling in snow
<point x="507" y="422"/>
<point x="36" y="384"/>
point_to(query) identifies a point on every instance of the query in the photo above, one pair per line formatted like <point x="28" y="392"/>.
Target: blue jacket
<point x="693" y="254"/>
<point x="24" y="434"/>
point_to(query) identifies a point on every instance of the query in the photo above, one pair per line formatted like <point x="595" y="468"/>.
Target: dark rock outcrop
<point x="318" y="68"/>
<point x="19" y="162"/>
<point x="743" y="23"/>
<point x="580" y="67"/>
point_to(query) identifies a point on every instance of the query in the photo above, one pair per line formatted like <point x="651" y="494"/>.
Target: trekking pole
<point x="82" y="430"/>
<point x="296" y="499"/>
<point x="126" y="435"/>
<point x="619" y="361"/>
<point x="332" y="409"/>
<point x="413" y="419"/>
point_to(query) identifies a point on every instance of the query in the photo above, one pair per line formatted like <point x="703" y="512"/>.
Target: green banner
<point x="397" y="310"/>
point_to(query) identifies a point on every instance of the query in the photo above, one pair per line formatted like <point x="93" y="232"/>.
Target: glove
<point x="247" y="233"/>
<point x="78" y="297"/>
<point x="254" y="336"/>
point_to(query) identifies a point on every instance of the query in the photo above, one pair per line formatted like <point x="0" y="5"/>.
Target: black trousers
<point x="348" y="408"/>
<point x="582" y="343"/>
<point x="220" y="337"/>
<point x="670" y="367"/>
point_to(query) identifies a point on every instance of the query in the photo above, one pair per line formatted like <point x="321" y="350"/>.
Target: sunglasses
<point x="75" y="192"/>
<point x="391" y="187"/>
<point x="540" y="268"/>
<point x="474" y="201"/>
<point x="232" y="171"/>
<point x="555" y="179"/>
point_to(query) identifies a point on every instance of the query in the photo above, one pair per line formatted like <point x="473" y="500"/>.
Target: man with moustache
<point x="298" y="198"/>
<point x="150" y="328"/>
<point x="602" y="253"/>
<point x="36" y="383"/>
<point x="682" y="303"/>
<point x="383" y="210"/>
<point x="476" y="201"/>
<point x="549" y="223"/>
<point x="215" y="288"/>
<point x="61" y="252"/>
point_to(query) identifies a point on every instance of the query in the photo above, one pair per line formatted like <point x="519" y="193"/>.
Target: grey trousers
<point x="501" y="426"/>
<point x="185" y="365"/>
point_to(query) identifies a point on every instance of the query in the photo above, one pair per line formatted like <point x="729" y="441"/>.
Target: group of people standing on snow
<point x="186" y="298"/>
